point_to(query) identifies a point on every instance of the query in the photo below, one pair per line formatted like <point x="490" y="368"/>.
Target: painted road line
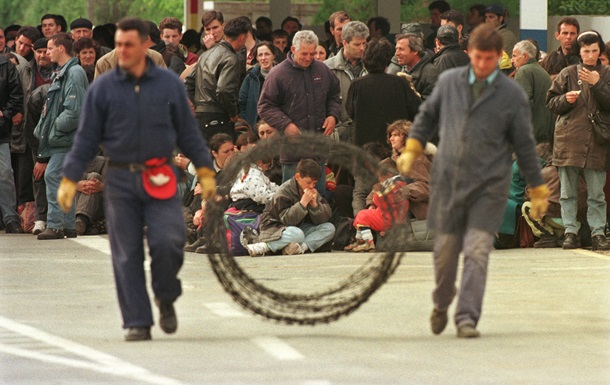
<point x="225" y="310"/>
<point x="277" y="348"/>
<point x="592" y="254"/>
<point x="98" y="243"/>
<point x="75" y="355"/>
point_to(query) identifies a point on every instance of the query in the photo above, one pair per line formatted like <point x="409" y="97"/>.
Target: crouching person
<point x="296" y="220"/>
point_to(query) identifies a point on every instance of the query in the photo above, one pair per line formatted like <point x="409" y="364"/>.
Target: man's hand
<point x="207" y="181"/>
<point x="329" y="125"/>
<point x="39" y="169"/>
<point x="18" y="118"/>
<point x="539" y="196"/>
<point x="412" y="151"/>
<point x="66" y="193"/>
<point x="309" y="197"/>
<point x="208" y="41"/>
<point x="291" y="130"/>
<point x="181" y="161"/>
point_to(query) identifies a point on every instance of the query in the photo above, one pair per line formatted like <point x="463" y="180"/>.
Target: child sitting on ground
<point x="390" y="206"/>
<point x="296" y="220"/>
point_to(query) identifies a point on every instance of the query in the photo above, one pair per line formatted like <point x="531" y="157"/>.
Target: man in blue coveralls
<point x="139" y="113"/>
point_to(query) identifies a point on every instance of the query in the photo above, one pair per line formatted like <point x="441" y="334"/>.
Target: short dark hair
<point x="84" y="43"/>
<point x="485" y="38"/>
<point x="30" y="32"/>
<point x="237" y="26"/>
<point x="210" y="16"/>
<point x="380" y="23"/>
<point x="245" y="139"/>
<point x="377" y="55"/>
<point x="480" y="8"/>
<point x="309" y="168"/>
<point x="153" y="31"/>
<point x="279" y="33"/>
<point x="264" y="20"/>
<point x="588" y="38"/>
<point x="441" y="5"/>
<point x="454" y="16"/>
<point x="290" y="18"/>
<point x="170" y="23"/>
<point x="63" y="39"/>
<point x="218" y="140"/>
<point x="339" y="15"/>
<point x="134" y="24"/>
<point x="59" y="20"/>
<point x="569" y="21"/>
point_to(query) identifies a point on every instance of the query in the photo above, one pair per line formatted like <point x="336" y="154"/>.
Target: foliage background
<point x="106" y="11"/>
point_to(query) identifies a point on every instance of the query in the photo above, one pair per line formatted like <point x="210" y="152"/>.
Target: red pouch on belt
<point x="159" y="179"/>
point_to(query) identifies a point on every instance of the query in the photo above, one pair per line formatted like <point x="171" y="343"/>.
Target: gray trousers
<point x="476" y="245"/>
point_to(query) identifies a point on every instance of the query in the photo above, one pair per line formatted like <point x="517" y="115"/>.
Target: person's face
<point x="603" y="58"/>
<point x="265" y="57"/>
<point x="2" y="40"/>
<point x="473" y="18"/>
<point x="435" y="17"/>
<point x="265" y="131"/>
<point x="50" y="28"/>
<point x="216" y="29"/>
<point x="397" y="140"/>
<point x="589" y="54"/>
<point x="42" y="57"/>
<point x="23" y="46"/>
<point x="291" y="27"/>
<point x="483" y="62"/>
<point x="492" y="19"/>
<point x="305" y="182"/>
<point x="320" y="53"/>
<point x="281" y="43"/>
<point x="54" y="51"/>
<point x="355" y="48"/>
<point x="130" y="50"/>
<point x="566" y="36"/>
<point x="79" y="33"/>
<point x="171" y="36"/>
<point x="86" y="56"/>
<point x="338" y="29"/>
<point x="263" y="28"/>
<point x="404" y="54"/>
<point x="223" y="153"/>
<point x="304" y="56"/>
<point x="518" y="59"/>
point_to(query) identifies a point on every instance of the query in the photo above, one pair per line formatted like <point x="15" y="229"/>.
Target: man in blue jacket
<point x="56" y="128"/>
<point x="139" y="128"/>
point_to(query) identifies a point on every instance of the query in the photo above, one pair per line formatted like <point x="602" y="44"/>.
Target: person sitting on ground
<point x="297" y="219"/>
<point x="252" y="189"/>
<point x="88" y="199"/>
<point x="246" y="141"/>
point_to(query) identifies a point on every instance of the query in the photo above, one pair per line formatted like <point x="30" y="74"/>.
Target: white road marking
<point x="98" y="243"/>
<point x="592" y="254"/>
<point x="278" y="348"/>
<point x="75" y="355"/>
<point x="223" y="309"/>
<point x="316" y="382"/>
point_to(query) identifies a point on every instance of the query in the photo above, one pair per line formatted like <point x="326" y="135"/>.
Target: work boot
<point x="546" y="241"/>
<point x="81" y="225"/>
<point x="571" y="241"/>
<point x="138" y="334"/>
<point x="599" y="242"/>
<point x="467" y="331"/>
<point x="438" y="321"/>
<point x="13" y="227"/>
<point x="50" y="233"/>
<point x="167" y="316"/>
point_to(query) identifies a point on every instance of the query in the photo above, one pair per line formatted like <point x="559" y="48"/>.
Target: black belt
<point x="132" y="167"/>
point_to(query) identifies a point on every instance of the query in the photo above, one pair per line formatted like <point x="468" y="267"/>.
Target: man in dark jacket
<point x="449" y="53"/>
<point x="416" y="62"/>
<point x="11" y="103"/>
<point x="301" y="94"/>
<point x="135" y="123"/>
<point x="568" y="29"/>
<point x="213" y="85"/>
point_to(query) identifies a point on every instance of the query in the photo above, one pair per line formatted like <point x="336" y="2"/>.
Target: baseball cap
<point x="414" y="28"/>
<point x="496" y="9"/>
<point x="448" y="34"/>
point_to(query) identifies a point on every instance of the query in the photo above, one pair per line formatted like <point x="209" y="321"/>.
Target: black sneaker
<point x="13" y="228"/>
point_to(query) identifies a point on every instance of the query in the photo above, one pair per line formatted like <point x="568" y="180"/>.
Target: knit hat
<point x="448" y="34"/>
<point x="81" y="23"/>
<point x="40" y="43"/>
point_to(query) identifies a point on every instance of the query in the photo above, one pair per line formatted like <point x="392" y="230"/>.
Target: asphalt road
<point x="546" y="320"/>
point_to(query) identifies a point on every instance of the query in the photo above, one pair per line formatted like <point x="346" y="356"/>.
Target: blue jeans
<point x="56" y="218"/>
<point x="8" y="198"/>
<point x="477" y="245"/>
<point x="312" y="235"/>
<point x="596" y="202"/>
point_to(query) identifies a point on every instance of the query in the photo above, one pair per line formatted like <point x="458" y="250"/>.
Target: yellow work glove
<point x="539" y="196"/>
<point x="66" y="193"/>
<point x="207" y="180"/>
<point x="413" y="149"/>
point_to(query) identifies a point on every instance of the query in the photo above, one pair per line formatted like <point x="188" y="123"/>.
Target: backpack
<point x="242" y="228"/>
<point x="345" y="232"/>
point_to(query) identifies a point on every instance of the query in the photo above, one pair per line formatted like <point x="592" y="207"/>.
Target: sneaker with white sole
<point x="293" y="248"/>
<point x="257" y="249"/>
<point x="39" y="227"/>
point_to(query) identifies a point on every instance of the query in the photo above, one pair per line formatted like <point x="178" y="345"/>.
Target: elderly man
<point x="535" y="81"/>
<point x="301" y="94"/>
<point x="466" y="207"/>
<point x="347" y="65"/>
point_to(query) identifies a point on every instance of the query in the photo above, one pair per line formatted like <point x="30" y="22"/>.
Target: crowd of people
<point x="245" y="82"/>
